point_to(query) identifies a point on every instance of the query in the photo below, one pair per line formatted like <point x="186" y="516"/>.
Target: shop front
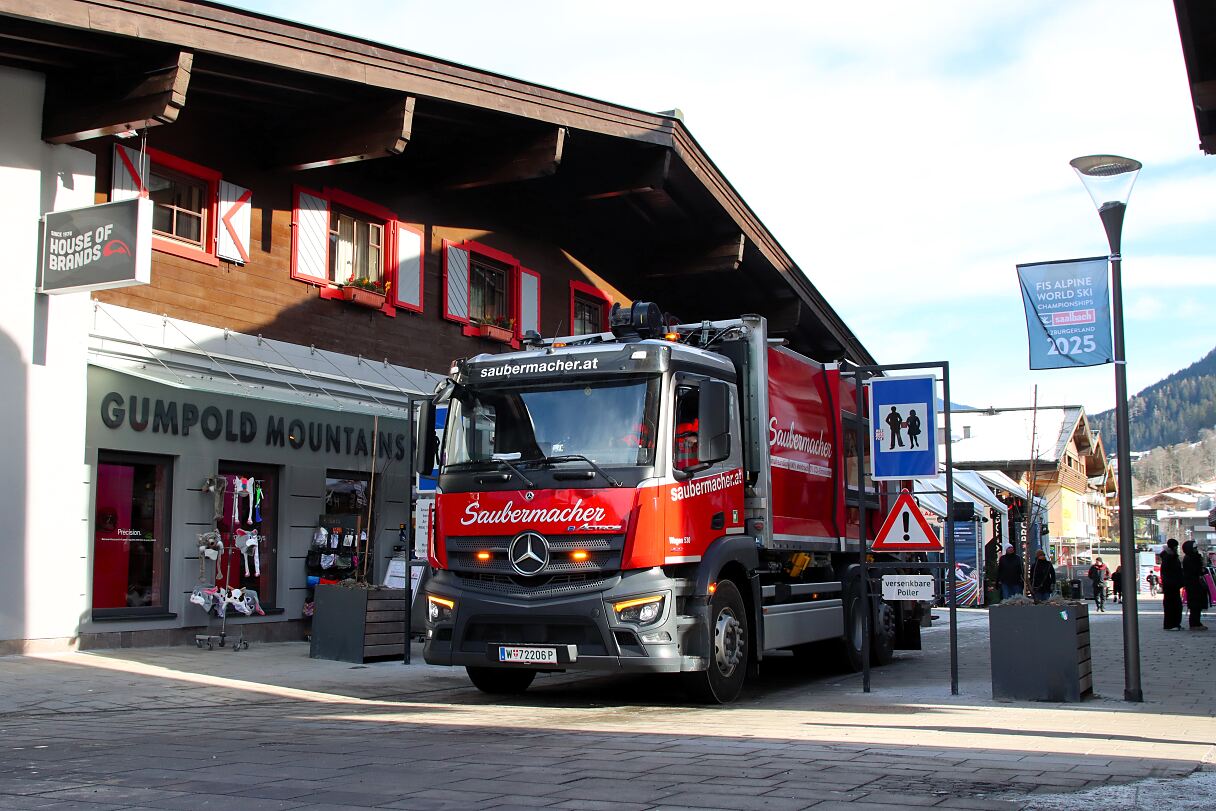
<point x="201" y="496"/>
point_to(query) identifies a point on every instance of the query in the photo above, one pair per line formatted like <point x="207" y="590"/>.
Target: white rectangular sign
<point x="907" y="587"/>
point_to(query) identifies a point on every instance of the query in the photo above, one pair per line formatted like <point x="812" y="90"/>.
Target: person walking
<point x="1152" y="584"/>
<point x="1116" y="582"/>
<point x="1042" y="577"/>
<point x="1171" y="585"/>
<point x="1098" y="575"/>
<point x="1193" y="570"/>
<point x="1009" y="574"/>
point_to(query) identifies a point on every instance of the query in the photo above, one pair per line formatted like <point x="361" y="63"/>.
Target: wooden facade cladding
<point x="260" y="297"/>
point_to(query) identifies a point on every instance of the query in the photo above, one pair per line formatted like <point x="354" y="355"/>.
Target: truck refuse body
<point x="657" y="499"/>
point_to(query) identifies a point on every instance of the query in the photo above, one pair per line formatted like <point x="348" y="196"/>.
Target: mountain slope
<point x="1170" y="411"/>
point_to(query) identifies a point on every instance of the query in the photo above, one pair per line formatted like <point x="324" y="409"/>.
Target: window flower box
<point x="494" y="333"/>
<point x="363" y="297"/>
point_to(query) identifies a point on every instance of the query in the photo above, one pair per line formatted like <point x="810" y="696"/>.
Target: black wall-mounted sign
<point x="97" y="248"/>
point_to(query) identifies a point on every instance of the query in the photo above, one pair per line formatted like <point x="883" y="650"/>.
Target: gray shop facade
<point x="171" y="463"/>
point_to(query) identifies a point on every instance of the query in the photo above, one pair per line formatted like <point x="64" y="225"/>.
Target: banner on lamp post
<point x="1067" y="312"/>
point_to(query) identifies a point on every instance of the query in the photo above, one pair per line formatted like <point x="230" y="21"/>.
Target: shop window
<point x="131" y="535"/>
<point x="341" y="547"/>
<point x="249" y="530"/>
<point x="356" y="248"/>
<point x="588" y="309"/>
<point x="346" y="493"/>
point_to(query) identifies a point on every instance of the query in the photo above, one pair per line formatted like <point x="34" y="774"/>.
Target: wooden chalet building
<point x="334" y="220"/>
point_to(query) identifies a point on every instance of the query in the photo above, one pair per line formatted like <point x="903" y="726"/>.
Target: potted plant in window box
<point x="364" y="292"/>
<point x="499" y="328"/>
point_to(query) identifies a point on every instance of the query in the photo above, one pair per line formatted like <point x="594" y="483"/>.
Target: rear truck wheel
<point x="882" y="637"/>
<point x="498" y="681"/>
<point x="729" y="638"/>
<point x="850" y="643"/>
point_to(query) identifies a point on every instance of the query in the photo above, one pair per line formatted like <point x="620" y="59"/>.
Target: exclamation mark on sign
<point x="905" y="516"/>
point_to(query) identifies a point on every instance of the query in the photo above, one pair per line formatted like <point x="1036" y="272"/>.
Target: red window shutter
<point x="235" y="203"/>
<point x="529" y="301"/>
<point x="409" y="269"/>
<point x="455" y="283"/>
<point x="128" y="174"/>
<point x="310" y="237"/>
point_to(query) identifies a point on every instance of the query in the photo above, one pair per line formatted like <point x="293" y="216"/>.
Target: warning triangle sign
<point x="906" y="529"/>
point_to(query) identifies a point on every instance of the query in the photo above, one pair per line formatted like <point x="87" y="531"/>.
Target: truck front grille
<point x="536" y="587"/>
<point x="603" y="556"/>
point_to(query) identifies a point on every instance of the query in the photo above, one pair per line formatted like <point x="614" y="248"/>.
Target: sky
<point x="907" y="155"/>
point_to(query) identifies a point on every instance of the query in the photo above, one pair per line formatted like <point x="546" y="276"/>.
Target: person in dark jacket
<point x="1042" y="577"/>
<point x="1009" y="573"/>
<point x="1098" y="574"/>
<point x="1116" y="582"/>
<point x="1171" y="585"/>
<point x="1193" y="570"/>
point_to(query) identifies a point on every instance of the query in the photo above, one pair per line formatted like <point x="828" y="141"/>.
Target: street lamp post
<point x="1109" y="179"/>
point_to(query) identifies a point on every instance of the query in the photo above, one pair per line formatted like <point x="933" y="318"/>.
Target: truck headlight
<point x="439" y="609"/>
<point x="641" y="610"/>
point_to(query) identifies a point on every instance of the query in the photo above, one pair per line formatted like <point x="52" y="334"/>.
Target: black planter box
<point x="1040" y="652"/>
<point x="355" y="625"/>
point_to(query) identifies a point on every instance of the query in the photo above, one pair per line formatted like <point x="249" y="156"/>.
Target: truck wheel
<point x="722" y="681"/>
<point x="850" y="642"/>
<point x="499" y="681"/>
<point x="882" y="640"/>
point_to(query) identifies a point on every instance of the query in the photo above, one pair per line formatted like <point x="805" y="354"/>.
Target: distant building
<point x="1180" y="511"/>
<point x="1053" y="453"/>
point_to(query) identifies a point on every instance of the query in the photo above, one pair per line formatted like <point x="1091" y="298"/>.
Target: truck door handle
<point x="718" y="521"/>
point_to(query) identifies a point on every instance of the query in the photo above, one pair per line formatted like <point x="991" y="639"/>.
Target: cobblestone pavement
<point x="268" y="728"/>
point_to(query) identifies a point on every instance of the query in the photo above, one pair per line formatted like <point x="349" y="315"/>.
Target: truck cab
<point x="605" y="503"/>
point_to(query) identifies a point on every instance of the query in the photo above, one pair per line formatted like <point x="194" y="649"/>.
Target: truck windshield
<point x="610" y="423"/>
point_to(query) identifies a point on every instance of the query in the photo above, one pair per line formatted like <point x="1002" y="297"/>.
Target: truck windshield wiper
<point x="578" y="457"/>
<point x="497" y="460"/>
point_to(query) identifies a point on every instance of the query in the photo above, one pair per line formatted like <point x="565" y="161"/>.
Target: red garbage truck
<point x="658" y="499"/>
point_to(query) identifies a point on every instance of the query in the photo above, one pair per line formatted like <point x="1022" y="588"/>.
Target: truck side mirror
<point x="713" y="422"/>
<point x="426" y="444"/>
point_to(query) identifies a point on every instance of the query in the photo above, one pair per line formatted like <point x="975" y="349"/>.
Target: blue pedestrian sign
<point x="903" y="428"/>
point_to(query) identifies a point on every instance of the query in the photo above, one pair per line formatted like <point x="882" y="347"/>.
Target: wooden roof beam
<point x="362" y="131"/>
<point x="529" y="160"/>
<point x="723" y="257"/>
<point x="153" y="96"/>
<point x="645" y="175"/>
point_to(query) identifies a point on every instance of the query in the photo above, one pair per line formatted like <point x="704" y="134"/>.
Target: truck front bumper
<point x="583" y="628"/>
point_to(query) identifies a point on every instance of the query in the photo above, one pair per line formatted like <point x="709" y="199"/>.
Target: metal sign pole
<point x="863" y="541"/>
<point x="951" y="575"/>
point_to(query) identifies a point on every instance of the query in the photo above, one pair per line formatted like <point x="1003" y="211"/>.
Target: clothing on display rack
<point x="216" y="485"/>
<point x="247" y="543"/>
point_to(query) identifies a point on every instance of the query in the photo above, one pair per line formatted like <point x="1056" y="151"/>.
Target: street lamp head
<point x="1107" y="178"/>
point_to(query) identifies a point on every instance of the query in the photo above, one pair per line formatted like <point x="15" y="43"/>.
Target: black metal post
<point x="1112" y="221"/>
<point x="951" y="576"/>
<point x="863" y="542"/>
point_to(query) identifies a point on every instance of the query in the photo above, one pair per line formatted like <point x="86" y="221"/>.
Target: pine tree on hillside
<point x="1171" y="411"/>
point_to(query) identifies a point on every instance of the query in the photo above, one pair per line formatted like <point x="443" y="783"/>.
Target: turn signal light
<point x="580" y="554"/>
<point x="672" y="336"/>
<point x="712" y="588"/>
<point x="483" y="555"/>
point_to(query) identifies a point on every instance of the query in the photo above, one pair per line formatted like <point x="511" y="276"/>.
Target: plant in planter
<point x="498" y="328"/>
<point x="364" y="292"/>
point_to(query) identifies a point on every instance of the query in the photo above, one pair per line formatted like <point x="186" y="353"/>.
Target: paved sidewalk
<point x="269" y="728"/>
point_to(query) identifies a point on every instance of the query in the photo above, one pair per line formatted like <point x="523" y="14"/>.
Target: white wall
<point x="43" y="340"/>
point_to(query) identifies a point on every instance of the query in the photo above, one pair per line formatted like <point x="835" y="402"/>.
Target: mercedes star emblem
<point x="529" y="553"/>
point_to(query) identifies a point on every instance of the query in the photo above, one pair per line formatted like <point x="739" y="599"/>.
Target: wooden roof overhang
<point x="1197" y="29"/>
<point x="629" y="193"/>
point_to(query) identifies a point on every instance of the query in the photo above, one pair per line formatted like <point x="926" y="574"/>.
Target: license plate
<point x="546" y="656"/>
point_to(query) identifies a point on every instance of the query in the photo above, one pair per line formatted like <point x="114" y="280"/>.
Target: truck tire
<point x="729" y="639"/>
<point x="850" y="643"/>
<point x="498" y="681"/>
<point x="882" y="634"/>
